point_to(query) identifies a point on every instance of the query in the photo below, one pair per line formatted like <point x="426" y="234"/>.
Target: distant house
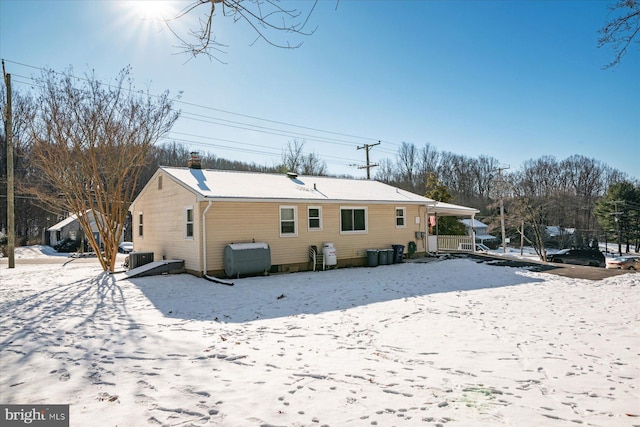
<point x="193" y="215"/>
<point x="481" y="231"/>
<point x="70" y="228"/>
<point x="559" y="237"/>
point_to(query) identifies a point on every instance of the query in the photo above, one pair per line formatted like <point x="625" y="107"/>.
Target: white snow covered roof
<point x="476" y="223"/>
<point x="68" y="220"/>
<point x="59" y="226"/>
<point x="244" y="186"/>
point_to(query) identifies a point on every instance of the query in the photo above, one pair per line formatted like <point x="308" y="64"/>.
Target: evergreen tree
<point x="437" y="191"/>
<point x="618" y="213"/>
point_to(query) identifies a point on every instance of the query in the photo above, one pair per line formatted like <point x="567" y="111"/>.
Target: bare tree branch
<point x="621" y="29"/>
<point x="267" y="18"/>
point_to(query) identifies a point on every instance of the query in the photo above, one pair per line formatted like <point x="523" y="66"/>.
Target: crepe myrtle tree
<point x="90" y="141"/>
<point x="268" y="19"/>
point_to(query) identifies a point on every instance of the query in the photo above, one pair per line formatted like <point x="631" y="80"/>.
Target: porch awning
<point x="449" y="209"/>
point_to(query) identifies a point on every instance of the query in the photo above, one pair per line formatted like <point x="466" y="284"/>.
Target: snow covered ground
<point x="449" y="342"/>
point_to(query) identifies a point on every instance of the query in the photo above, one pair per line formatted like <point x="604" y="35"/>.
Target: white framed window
<point x="314" y="215"/>
<point x="188" y="222"/>
<point x="353" y="220"/>
<point x="288" y="221"/>
<point x="401" y="217"/>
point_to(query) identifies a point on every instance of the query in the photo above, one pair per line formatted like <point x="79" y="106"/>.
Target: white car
<point x="125" y="247"/>
<point x="625" y="262"/>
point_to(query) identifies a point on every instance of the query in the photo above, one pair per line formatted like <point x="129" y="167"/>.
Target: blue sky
<point x="514" y="80"/>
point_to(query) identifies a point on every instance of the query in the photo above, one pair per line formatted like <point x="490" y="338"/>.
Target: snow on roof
<point x="556" y="230"/>
<point x="476" y="223"/>
<point x="59" y="226"/>
<point x="486" y="237"/>
<point x="71" y="218"/>
<point x="233" y="185"/>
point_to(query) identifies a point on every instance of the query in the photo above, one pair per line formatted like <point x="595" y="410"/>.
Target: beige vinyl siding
<point x="163" y="208"/>
<point x="239" y="222"/>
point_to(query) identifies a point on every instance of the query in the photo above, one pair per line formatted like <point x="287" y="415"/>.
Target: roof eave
<point x="309" y="201"/>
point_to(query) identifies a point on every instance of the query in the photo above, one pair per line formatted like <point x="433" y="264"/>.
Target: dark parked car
<point x="591" y="257"/>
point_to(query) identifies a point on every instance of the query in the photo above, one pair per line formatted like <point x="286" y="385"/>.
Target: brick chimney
<point x="194" y="161"/>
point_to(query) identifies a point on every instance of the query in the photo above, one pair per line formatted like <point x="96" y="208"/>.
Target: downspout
<point x="204" y="239"/>
<point x="427" y="224"/>
<point x="425" y="243"/>
<point x="204" y="250"/>
<point x="473" y="232"/>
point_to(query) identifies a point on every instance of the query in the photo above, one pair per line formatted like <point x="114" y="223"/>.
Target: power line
<point x="266" y="130"/>
<point x="178" y="101"/>
<point x="240" y="125"/>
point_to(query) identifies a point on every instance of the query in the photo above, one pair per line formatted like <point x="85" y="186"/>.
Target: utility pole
<point x="368" y="167"/>
<point x="10" y="180"/>
<point x="501" y="183"/>
<point x="616" y="214"/>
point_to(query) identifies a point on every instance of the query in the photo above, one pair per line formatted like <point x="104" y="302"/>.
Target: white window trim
<point x="140" y="225"/>
<point x="309" y="228"/>
<point x="404" y="216"/>
<point x="193" y="222"/>
<point x="366" y="219"/>
<point x="295" y="221"/>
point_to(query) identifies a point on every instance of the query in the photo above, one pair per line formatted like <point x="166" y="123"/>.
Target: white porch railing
<point x="455" y="243"/>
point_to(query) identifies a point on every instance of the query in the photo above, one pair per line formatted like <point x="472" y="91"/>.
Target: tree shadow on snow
<point x="74" y="324"/>
<point x="188" y="297"/>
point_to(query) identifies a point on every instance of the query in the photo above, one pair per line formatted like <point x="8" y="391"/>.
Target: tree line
<point x="584" y="196"/>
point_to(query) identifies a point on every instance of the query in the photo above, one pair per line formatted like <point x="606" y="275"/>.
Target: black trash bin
<point x="398" y="253"/>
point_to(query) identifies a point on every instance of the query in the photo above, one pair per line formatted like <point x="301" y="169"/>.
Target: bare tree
<point x="292" y="156"/>
<point x="428" y="158"/>
<point x="530" y="209"/>
<point x="294" y="160"/>
<point x="30" y="219"/>
<point x="483" y="169"/>
<point x="386" y="172"/>
<point x="313" y="165"/>
<point x="407" y="164"/>
<point x="267" y="18"/>
<point x="90" y="143"/>
<point x="621" y="29"/>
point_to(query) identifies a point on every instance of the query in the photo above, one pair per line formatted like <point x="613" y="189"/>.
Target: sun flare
<point x="153" y="10"/>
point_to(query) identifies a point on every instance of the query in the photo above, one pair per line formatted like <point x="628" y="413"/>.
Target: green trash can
<point x="372" y="257"/>
<point x="390" y="255"/>
<point x="383" y="257"/>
